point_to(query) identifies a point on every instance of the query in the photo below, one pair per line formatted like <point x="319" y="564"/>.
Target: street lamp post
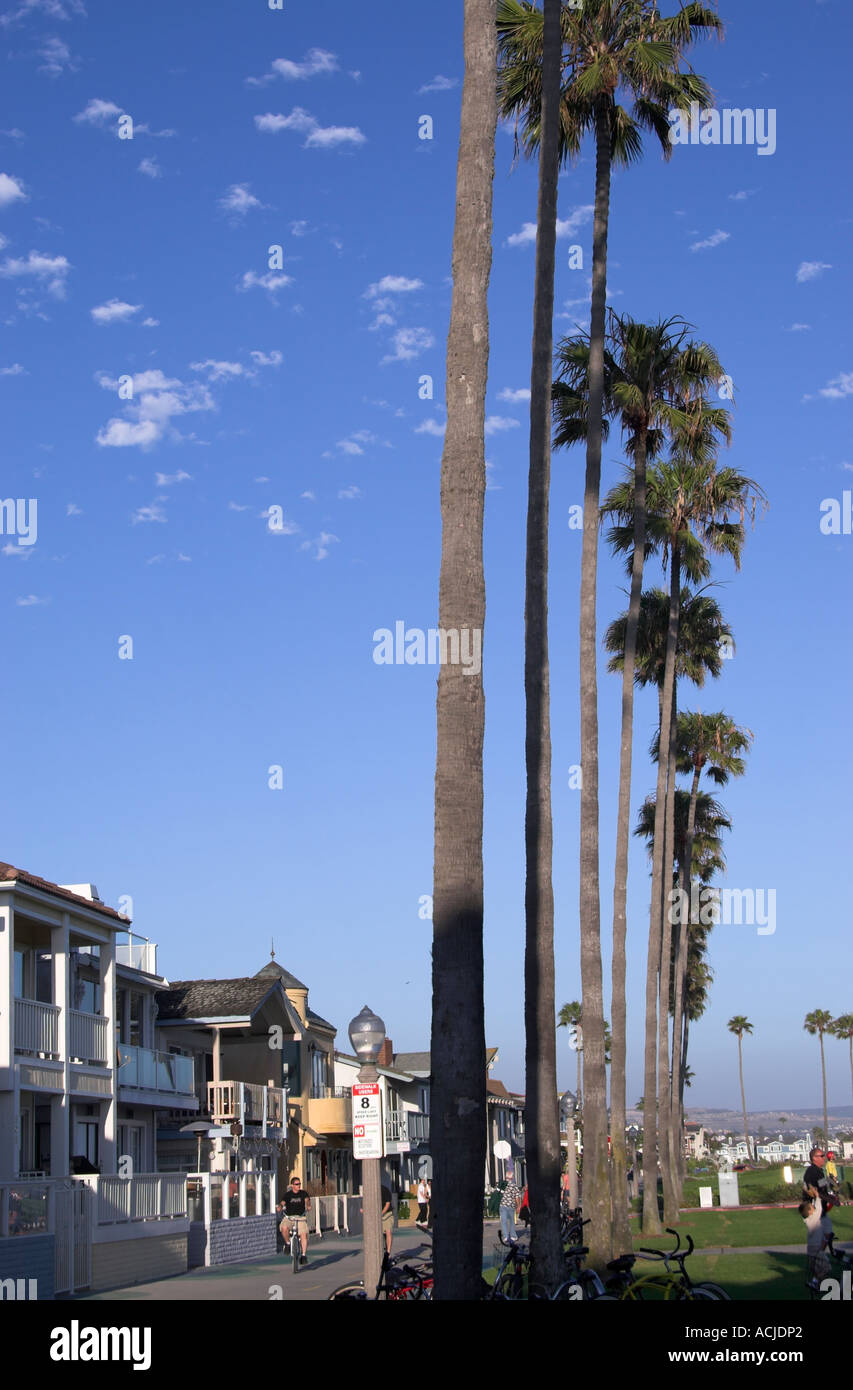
<point x="367" y="1034"/>
<point x="569" y="1105"/>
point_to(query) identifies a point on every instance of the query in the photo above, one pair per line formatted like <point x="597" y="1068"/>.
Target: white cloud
<point x="263" y="359"/>
<point x="239" y="200"/>
<point x="322" y="542"/>
<point x="99" y="112"/>
<point x="565" y="227"/>
<point x="514" y="397"/>
<point x="71" y="509"/>
<point x="150" y="323"/>
<point x="15" y="370"/>
<point x="408" y="344"/>
<point x="156" y="400"/>
<point x="496" y="424"/>
<point x="23" y="552"/>
<point x="349" y="446"/>
<point x="434" y="427"/>
<point x="742" y="195"/>
<point x="236" y="507"/>
<point x="55" y="9"/>
<point x="800" y="328"/>
<point x="315" y="62"/>
<point x="299" y="228"/>
<point x="308" y="496"/>
<point x="11" y="190"/>
<point x="184" y="559"/>
<point x="168" y="479"/>
<point x="57" y="57"/>
<point x="271" y="282"/>
<point x="114" y="311"/>
<point x="810" y="270"/>
<point x="30" y="601"/>
<point x="151" y="168"/>
<point x="219" y="371"/>
<point x="153" y="512"/>
<point x="283" y="527"/>
<point x="121" y="434"/>
<point x="317" y="136"/>
<point x="439" y="84"/>
<point x="50" y="269"/>
<point x="392" y="284"/>
<point x="715" y="239"/>
<point x="839" y="387"/>
<point x="349" y="493"/>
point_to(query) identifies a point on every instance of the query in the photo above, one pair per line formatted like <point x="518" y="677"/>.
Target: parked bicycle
<point x="674" y="1284"/>
<point x="399" y="1281"/>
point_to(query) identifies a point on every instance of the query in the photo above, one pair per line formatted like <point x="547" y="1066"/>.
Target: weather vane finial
<point x="272" y="948"/>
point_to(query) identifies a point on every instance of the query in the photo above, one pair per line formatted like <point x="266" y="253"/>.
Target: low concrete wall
<point x="25" y="1258"/>
<point x="116" y="1263"/>
<point x="242" y="1238"/>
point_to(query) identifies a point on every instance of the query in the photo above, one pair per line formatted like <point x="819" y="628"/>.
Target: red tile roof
<point x="9" y="874"/>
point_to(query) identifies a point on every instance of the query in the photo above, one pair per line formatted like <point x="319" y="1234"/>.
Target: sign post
<point x="368" y="1146"/>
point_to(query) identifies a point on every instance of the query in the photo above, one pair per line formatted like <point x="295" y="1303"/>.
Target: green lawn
<point x="744" y="1226"/>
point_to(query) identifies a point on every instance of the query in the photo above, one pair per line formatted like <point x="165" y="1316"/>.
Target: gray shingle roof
<point x="413" y="1061"/>
<point x="272" y="968"/>
<point x="239" y="998"/>
<point x="323" y="1022"/>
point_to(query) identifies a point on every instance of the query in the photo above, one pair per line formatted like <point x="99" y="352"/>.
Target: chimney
<point x="386" y="1056"/>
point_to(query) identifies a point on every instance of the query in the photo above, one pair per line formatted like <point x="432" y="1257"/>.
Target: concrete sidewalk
<point x="332" y="1260"/>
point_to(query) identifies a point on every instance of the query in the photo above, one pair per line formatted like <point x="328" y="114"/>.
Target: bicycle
<point x="844" y="1261"/>
<point x="295" y="1245"/>
<point x="509" y="1282"/>
<point x="673" y="1285"/>
<point x="398" y="1282"/>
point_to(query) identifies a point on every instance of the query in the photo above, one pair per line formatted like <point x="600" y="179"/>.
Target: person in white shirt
<point x="423" y="1201"/>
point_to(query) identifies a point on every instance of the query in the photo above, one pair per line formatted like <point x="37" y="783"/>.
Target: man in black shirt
<point x="817" y="1191"/>
<point x="296" y="1204"/>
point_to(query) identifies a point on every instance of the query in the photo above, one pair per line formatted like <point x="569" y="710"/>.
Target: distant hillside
<point x="839" y="1116"/>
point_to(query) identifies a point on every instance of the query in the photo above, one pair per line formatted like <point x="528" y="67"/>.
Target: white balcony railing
<point x="36" y="1027"/>
<point x="145" y="1069"/>
<point x="138" y="955"/>
<point x="395" y="1126"/>
<point x="246" y="1103"/>
<point x="87" y="1036"/>
<point x="144" y="1197"/>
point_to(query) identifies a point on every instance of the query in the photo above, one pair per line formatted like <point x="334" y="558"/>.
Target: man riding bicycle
<point x="295" y="1205"/>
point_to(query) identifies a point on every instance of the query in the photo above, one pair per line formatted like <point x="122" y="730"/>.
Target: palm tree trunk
<point x="669" y="1158"/>
<point x="743" y="1095"/>
<point x="458" y="1134"/>
<point x="621" y="1223"/>
<point x="541" y="1101"/>
<point x="579" y="1051"/>
<point x="823" y="1079"/>
<point x="654" y="965"/>
<point x="596" y="1183"/>
<point x="851" y="1061"/>
<point x="681" y="982"/>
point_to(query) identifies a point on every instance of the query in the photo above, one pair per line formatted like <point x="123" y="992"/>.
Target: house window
<point x="319" y="1073"/>
<point x="423" y="1093"/>
<point x="44" y="977"/>
<point x="86" y="1140"/>
<point x="135" y="1018"/>
<point x="131" y="1145"/>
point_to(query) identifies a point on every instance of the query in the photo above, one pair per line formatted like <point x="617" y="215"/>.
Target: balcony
<point x="418" y="1126"/>
<point x="331" y="1113"/>
<point x="37" y="1028"/>
<point x="87" y="1041"/>
<point x="396" y="1128"/>
<point x="144" y="1069"/>
<point x="137" y="955"/>
<point x="245" y="1103"/>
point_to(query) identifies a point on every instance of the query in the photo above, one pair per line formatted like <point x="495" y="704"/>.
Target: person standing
<point x="508" y="1209"/>
<point x="387" y="1216"/>
<point x="423" y="1201"/>
<point x="817" y="1193"/>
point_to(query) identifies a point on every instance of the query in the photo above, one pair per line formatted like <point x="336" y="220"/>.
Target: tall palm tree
<point x="740" y="1025"/>
<point x="570" y="1017"/>
<point x="691" y="508"/>
<point x="819" y="1021"/>
<point x="842" y="1027"/>
<point x="541" y="1102"/>
<point x="612" y="47"/>
<point x="458" y="1038"/>
<point x="648" y="368"/>
<point x="712" y="744"/>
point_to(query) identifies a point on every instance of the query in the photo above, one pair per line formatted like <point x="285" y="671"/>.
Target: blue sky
<point x="298" y="388"/>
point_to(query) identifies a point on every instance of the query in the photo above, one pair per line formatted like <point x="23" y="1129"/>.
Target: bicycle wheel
<point x="715" y="1291"/>
<point x="295" y="1251"/>
<point x="699" y="1295"/>
<point x="511" y="1286"/>
<point x="349" y="1291"/>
